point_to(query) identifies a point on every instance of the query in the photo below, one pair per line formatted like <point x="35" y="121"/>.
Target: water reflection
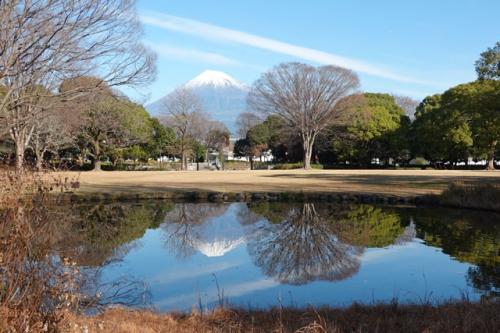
<point x="302" y="247"/>
<point x="192" y="227"/>
<point x="93" y="235"/>
<point x="286" y="244"/>
<point x="470" y="237"/>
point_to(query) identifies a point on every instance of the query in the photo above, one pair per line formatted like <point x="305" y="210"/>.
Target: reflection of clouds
<point x="375" y="254"/>
<point x="193" y="272"/>
<point x="230" y="290"/>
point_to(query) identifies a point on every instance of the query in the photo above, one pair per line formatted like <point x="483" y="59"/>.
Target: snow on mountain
<point x="215" y="79"/>
<point x="223" y="97"/>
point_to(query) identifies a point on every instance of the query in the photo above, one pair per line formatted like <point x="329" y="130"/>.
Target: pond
<point x="180" y="256"/>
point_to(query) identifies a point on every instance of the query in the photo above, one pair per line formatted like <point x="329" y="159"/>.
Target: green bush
<point x="298" y="165"/>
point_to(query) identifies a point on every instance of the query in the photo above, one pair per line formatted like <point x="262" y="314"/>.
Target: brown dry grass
<point x="451" y="317"/>
<point x="484" y="196"/>
<point x="391" y="182"/>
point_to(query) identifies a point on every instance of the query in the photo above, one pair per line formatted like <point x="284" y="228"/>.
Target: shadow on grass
<point x="423" y="181"/>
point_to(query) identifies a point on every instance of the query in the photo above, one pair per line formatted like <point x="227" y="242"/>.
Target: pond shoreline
<point x="432" y="200"/>
<point x="452" y="316"/>
<point x="414" y="187"/>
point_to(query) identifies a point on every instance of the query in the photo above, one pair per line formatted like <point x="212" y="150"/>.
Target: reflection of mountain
<point x="216" y="237"/>
<point x="191" y="227"/>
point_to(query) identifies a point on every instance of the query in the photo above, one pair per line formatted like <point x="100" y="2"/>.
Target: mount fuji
<point x="223" y="97"/>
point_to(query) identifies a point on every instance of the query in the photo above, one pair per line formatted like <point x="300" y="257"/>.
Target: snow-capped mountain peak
<point x="215" y="79"/>
<point x="223" y="97"/>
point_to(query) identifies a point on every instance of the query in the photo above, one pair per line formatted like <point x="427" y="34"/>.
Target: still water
<point x="179" y="256"/>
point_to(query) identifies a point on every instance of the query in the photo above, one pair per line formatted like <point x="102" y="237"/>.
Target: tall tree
<point x="162" y="139"/>
<point x="183" y="112"/>
<point x="369" y="127"/>
<point x="440" y="134"/>
<point x="488" y="65"/>
<point x="479" y="103"/>
<point x="304" y="96"/>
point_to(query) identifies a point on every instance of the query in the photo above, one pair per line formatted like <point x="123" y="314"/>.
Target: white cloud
<point x="192" y="55"/>
<point x="209" y="31"/>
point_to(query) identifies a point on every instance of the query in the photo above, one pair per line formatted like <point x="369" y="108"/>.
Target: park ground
<point x="385" y="182"/>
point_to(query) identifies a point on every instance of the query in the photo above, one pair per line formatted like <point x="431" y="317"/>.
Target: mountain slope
<point x="223" y="97"/>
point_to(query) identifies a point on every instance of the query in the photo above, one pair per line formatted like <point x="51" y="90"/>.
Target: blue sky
<point x="414" y="48"/>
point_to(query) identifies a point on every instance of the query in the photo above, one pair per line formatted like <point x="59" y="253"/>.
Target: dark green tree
<point x="161" y="140"/>
<point x="372" y="126"/>
<point x="479" y="103"/>
<point x="440" y="134"/>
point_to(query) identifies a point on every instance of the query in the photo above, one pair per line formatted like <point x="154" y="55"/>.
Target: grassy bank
<point x="479" y="196"/>
<point x="387" y="182"/>
<point x="449" y="317"/>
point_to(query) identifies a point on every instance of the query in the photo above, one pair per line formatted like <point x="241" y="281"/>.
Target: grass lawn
<point x="393" y="182"/>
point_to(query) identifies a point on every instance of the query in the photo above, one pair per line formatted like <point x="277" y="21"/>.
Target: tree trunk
<point x="97" y="165"/>
<point x="19" y="156"/>
<point x="251" y="162"/>
<point x="97" y="150"/>
<point x="183" y="160"/>
<point x="39" y="161"/>
<point x="491" y="163"/>
<point x="491" y="157"/>
<point x="308" y="147"/>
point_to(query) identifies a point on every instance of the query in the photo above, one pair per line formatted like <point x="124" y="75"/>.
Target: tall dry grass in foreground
<point x="36" y="288"/>
<point x="450" y="317"/>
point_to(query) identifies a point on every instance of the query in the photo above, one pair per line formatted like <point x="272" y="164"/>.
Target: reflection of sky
<point x="410" y="272"/>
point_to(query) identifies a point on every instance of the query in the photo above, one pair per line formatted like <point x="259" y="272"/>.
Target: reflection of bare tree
<point x="302" y="248"/>
<point x="181" y="224"/>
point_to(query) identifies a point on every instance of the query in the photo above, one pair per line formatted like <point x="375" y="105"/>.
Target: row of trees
<point x="48" y="47"/>
<point x="104" y="125"/>
<point x="60" y="64"/>
<point x="314" y="113"/>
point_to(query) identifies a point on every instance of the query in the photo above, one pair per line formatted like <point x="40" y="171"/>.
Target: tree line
<point x="104" y="125"/>
<point x="305" y="113"/>
<point x="61" y="63"/>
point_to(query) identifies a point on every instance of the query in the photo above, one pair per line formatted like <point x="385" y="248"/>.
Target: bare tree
<point x="245" y="121"/>
<point x="45" y="42"/>
<point x="304" y="96"/>
<point x="183" y="112"/>
<point x="50" y="133"/>
<point x="408" y="104"/>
